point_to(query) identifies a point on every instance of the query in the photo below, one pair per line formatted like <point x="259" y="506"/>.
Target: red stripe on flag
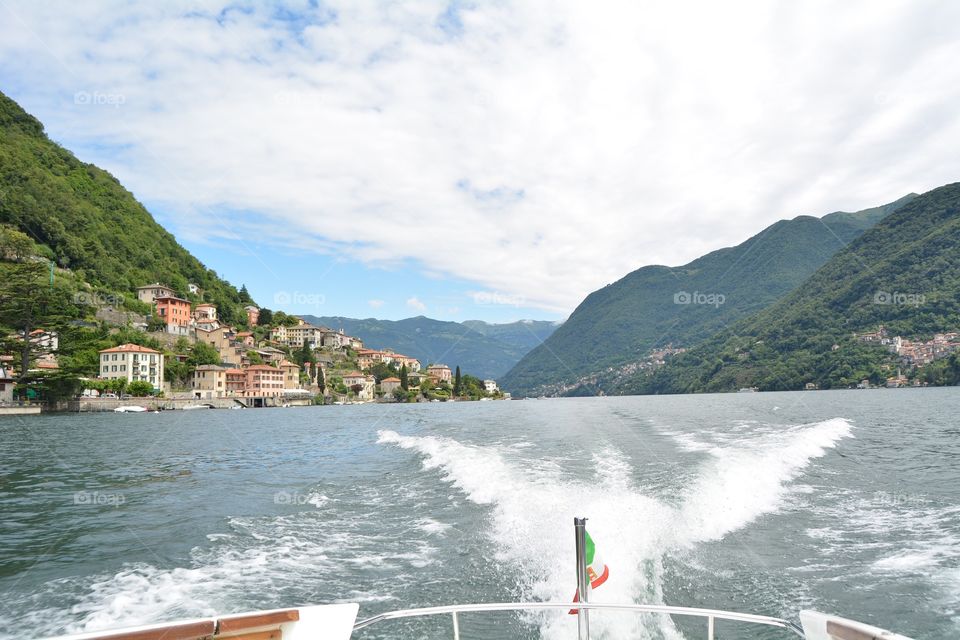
<point x="603" y="577"/>
<point x="593" y="585"/>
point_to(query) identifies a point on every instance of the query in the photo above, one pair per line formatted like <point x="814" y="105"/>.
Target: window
<point x="123" y="367"/>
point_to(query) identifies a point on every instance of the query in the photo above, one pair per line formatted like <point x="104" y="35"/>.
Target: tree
<point x="404" y="377"/>
<point x="457" y="382"/>
<point x="203" y="353"/>
<point x="321" y="382"/>
<point x="155" y="323"/>
<point x="265" y="317"/>
<point x="305" y="355"/>
<point x="175" y="372"/>
<point x="282" y="319"/>
<point x="244" y="294"/>
<point x="140" y="388"/>
<point x="380" y="371"/>
<point x="15" y="245"/>
<point x="28" y="301"/>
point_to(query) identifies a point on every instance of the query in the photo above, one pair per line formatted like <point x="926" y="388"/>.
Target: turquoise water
<point x="847" y="502"/>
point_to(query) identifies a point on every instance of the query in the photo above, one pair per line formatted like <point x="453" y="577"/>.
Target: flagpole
<point x="583" y="616"/>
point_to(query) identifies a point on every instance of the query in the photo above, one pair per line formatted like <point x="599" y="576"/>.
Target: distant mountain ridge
<point x="656" y="306"/>
<point x="479" y="348"/>
<point x="904" y="273"/>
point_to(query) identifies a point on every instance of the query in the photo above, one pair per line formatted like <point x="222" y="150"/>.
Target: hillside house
<point x="132" y="362"/>
<point x="150" y="292"/>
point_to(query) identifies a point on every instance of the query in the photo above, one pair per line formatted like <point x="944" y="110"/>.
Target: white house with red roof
<point x="132" y="362"/>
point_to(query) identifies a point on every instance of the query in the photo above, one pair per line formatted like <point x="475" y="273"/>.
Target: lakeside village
<point x="914" y="354"/>
<point x="204" y="363"/>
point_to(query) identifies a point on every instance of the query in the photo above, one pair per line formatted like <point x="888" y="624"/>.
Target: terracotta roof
<point x="159" y="298"/>
<point x="235" y="371"/>
<point x="205" y="304"/>
<point x="390" y="380"/>
<point x="129" y="348"/>
<point x="354" y="374"/>
<point x="262" y="367"/>
<point x="287" y="363"/>
<point x="244" y="334"/>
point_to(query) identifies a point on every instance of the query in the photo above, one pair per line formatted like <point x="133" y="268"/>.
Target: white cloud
<point x="376" y="304"/>
<point x="540" y="150"/>
<point x="415" y="304"/>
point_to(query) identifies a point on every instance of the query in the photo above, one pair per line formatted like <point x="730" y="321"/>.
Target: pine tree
<point x="457" y="383"/>
<point x="28" y="301"/>
<point x="305" y="354"/>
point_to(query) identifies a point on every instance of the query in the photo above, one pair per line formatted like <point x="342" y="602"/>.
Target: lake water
<point x="847" y="502"/>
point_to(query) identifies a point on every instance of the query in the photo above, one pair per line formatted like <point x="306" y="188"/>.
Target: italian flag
<point x="597" y="569"/>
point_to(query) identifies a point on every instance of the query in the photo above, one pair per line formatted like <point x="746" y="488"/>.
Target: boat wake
<point x="533" y="503"/>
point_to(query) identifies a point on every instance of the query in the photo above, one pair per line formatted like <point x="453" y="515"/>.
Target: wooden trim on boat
<point x="267" y="634"/>
<point x="230" y="624"/>
<point x="839" y="631"/>
<point x="188" y="631"/>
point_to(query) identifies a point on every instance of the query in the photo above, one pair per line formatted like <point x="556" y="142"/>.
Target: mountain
<point x="84" y="220"/>
<point x="904" y="273"/>
<point x="480" y="349"/>
<point x="657" y="306"/>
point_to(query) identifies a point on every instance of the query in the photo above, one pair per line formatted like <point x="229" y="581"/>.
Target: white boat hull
<point x="330" y="622"/>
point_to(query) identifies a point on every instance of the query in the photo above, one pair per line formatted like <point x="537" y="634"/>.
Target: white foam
<point x="433" y="527"/>
<point x="740" y="483"/>
<point x="530" y="529"/>
<point x="318" y="500"/>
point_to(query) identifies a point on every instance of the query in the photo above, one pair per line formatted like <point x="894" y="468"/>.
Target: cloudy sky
<point x="491" y="160"/>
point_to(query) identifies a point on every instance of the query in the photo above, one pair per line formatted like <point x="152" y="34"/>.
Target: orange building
<point x="236" y="381"/>
<point x="263" y="380"/>
<point x="175" y="312"/>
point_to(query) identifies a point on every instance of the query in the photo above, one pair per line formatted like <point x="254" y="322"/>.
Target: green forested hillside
<point x="85" y="221"/>
<point x="622" y="322"/>
<point x="903" y="273"/>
